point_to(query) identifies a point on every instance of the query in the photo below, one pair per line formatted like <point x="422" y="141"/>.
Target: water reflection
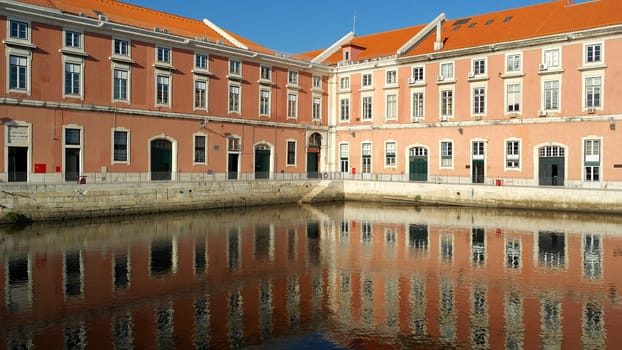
<point x="333" y="277"/>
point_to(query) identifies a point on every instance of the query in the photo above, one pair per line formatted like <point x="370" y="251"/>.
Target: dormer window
<point x="346" y="55"/>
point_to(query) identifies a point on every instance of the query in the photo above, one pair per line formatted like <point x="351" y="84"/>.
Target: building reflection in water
<point x="340" y="276"/>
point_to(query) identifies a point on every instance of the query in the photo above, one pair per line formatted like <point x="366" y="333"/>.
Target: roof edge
<point x="224" y="34"/>
<point x="436" y="22"/>
<point x="333" y="48"/>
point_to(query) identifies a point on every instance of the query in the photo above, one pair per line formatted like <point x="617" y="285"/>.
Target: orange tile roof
<point x="141" y="17"/>
<point x="534" y="21"/>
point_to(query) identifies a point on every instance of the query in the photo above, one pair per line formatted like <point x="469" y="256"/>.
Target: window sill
<point x="593" y="66"/>
<point x="292" y="86"/>
<point x="445" y="82"/>
<point x="73" y="52"/>
<point x="236" y="77"/>
<point x="551" y="71"/>
<point x="418" y="83"/>
<point x="476" y="78"/>
<point x="391" y="86"/>
<point x="366" y="88"/>
<point x="19" y="43"/>
<point x="201" y="71"/>
<point x="162" y="65"/>
<point x="122" y="59"/>
<point x="266" y="82"/>
<point x="510" y="75"/>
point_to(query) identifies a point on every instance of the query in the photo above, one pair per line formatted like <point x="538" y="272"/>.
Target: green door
<point x="18" y="164"/>
<point x="312" y="164"/>
<point x="161" y="159"/>
<point x="551" y="171"/>
<point x="262" y="164"/>
<point x="418" y="164"/>
<point x="478" y="171"/>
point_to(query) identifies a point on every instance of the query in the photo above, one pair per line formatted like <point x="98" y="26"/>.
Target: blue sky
<point x="292" y="26"/>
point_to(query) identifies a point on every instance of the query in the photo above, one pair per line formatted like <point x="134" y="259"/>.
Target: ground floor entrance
<point x="17" y="164"/>
<point x="161" y="159"/>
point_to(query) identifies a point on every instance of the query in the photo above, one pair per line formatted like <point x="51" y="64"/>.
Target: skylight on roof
<point x="507" y="19"/>
<point x="456" y="27"/>
<point x="488" y="22"/>
<point x="462" y="21"/>
<point x="472" y="24"/>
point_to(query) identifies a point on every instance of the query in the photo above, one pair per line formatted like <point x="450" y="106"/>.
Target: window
<point x="316" y="112"/>
<point x="479" y="66"/>
<point x="120" y="146"/>
<point x="591" y="150"/>
<point x="592" y="92"/>
<point x="513" y="63"/>
<point x="344" y="157"/>
<point x="344" y="112"/>
<point x="163" y="54"/>
<point x="389" y="153"/>
<point x="292" y="106"/>
<point x="418" y="73"/>
<point x="447" y="70"/>
<point x="73" y="79"/>
<point x="162" y="89"/>
<point x="366" y="158"/>
<point x="292" y="77"/>
<point x="447" y="103"/>
<point x="19" y="30"/>
<point x="551" y="58"/>
<point x="18" y="72"/>
<point x="235" y="67"/>
<point x="344" y="83"/>
<point x="478" y="150"/>
<point x="120" y="85"/>
<point x="200" y="61"/>
<point x="72" y="150"/>
<point x="447" y="154"/>
<point x="200" y="94"/>
<point x="513" y="98"/>
<point x="512" y="154"/>
<point x="367" y="108"/>
<point x="593" y="53"/>
<point x="391" y="112"/>
<point x="121" y="47"/>
<point x="366" y="79"/>
<point x="391" y="77"/>
<point x="551" y="95"/>
<point x="200" y="147"/>
<point x="264" y="102"/>
<point x="479" y="100"/>
<point x="317" y="81"/>
<point x="417" y="105"/>
<point x="234" y="98"/>
<point x="265" y="73"/>
<point x="73" y="39"/>
<point x="291" y="153"/>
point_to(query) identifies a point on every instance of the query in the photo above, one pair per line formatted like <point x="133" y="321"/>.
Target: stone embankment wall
<point x="68" y="201"/>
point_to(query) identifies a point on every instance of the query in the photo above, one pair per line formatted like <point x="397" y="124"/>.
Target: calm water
<point x="330" y="277"/>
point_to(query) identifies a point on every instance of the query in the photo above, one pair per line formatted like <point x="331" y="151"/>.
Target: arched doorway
<point x="262" y="161"/>
<point x="551" y="166"/>
<point x="161" y="151"/>
<point x="314" y="144"/>
<point x="418" y="164"/>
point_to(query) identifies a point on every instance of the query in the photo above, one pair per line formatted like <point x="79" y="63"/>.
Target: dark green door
<point x="18" y="164"/>
<point x="418" y="168"/>
<point x="551" y="172"/>
<point x="478" y="171"/>
<point x="72" y="164"/>
<point x="262" y="164"/>
<point x="232" y="170"/>
<point x="312" y="164"/>
<point x="161" y="159"/>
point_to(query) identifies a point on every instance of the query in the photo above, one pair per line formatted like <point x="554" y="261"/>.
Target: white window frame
<point x="238" y="104"/>
<point x="592" y="160"/>
<point x="478" y="92"/>
<point x="601" y="59"/>
<point x="387" y="159"/>
<point x="316" y="108"/>
<point x="367" y="80"/>
<point x="511" y="157"/>
<point x="21" y="53"/>
<point x="127" y="69"/>
<point x="545" y="93"/>
<point x="194" y="148"/>
<point x="341" y="110"/>
<point x="205" y="99"/>
<point x="364" y="155"/>
<point x="169" y="77"/>
<point x="201" y="61"/>
<point x="287" y="143"/>
<point x="28" y="38"/>
<point x="163" y="49"/>
<point x="508" y="100"/>
<point x="585" y="91"/>
<point x="415" y="109"/>
<point x="128" y="42"/>
<point x="344" y="146"/>
<point x="112" y="146"/>
<point x="445" y="113"/>
<point x="317" y="81"/>
<point x="391" y="78"/>
<point x="292" y="105"/>
<point x="447" y="73"/>
<point x="418" y="78"/>
<point x="479" y="66"/>
<point x="80" y="41"/>
<point x="263" y="69"/>
<point x="509" y="66"/>
<point x="367" y="113"/>
<point x="74" y="61"/>
<point x="442" y="155"/>
<point x="235" y="67"/>
<point x="79" y="146"/>
<point x="293" y="78"/>
<point x="548" y="58"/>
<point x="268" y="102"/>
<point x="391" y="107"/>
<point x="344" y="83"/>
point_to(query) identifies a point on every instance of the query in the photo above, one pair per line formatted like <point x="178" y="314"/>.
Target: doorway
<point x="161" y="160"/>
<point x="18" y="164"/>
<point x="418" y="164"/>
<point x="262" y="161"/>
<point x="551" y="166"/>
<point x="313" y="155"/>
